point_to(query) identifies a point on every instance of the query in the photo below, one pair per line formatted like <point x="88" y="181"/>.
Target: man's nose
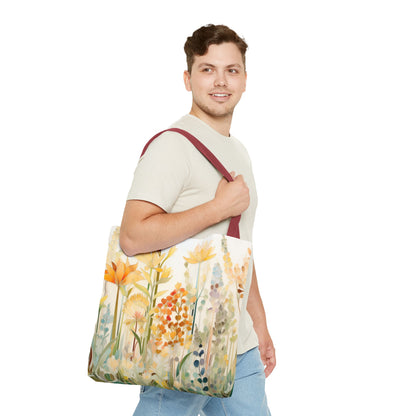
<point x="220" y="80"/>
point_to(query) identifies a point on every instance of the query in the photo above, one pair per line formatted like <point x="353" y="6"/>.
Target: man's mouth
<point x="220" y="95"/>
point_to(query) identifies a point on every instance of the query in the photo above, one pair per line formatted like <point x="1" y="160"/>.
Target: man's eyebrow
<point x="213" y="66"/>
<point x="205" y="64"/>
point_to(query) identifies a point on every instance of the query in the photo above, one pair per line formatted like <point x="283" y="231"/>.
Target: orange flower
<point x="172" y="326"/>
<point x="121" y="273"/>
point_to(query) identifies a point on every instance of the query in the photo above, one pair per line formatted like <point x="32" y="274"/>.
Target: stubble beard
<point x="213" y="112"/>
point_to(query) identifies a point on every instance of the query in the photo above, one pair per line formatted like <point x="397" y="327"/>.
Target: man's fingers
<point x="270" y="365"/>
<point x="268" y="358"/>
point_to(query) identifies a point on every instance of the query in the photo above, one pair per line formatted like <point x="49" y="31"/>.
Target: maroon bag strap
<point x="233" y="229"/>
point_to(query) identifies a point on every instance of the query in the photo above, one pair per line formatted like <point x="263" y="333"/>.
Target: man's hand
<point x="256" y="310"/>
<point x="267" y="353"/>
<point x="232" y="198"/>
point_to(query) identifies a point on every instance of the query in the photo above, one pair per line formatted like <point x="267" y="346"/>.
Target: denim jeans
<point x="248" y="398"/>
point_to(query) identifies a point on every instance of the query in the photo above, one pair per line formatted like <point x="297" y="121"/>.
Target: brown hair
<point x="202" y="38"/>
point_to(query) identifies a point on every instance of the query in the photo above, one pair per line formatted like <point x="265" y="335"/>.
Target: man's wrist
<point x="260" y="328"/>
<point x="216" y="212"/>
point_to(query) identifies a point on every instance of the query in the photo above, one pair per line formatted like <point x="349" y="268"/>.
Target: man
<point x="176" y="194"/>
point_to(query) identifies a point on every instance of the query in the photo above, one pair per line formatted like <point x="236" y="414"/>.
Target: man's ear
<point x="187" y="80"/>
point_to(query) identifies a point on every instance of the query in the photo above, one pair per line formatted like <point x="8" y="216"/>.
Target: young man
<point x="177" y="194"/>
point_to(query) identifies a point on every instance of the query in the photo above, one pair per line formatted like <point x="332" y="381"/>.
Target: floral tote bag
<point x="170" y="318"/>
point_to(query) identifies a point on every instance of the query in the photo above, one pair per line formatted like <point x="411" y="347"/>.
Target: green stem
<point x="98" y="319"/>
<point x="134" y="339"/>
<point x="148" y="321"/>
<point x="113" y="331"/>
<point x="140" y="347"/>
<point x="196" y="301"/>
<point x="153" y="304"/>
<point x="120" y="321"/>
<point x="97" y="325"/>
<point x="172" y="374"/>
<point x="211" y="331"/>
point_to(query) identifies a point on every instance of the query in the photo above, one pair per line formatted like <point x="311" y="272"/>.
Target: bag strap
<point x="233" y="229"/>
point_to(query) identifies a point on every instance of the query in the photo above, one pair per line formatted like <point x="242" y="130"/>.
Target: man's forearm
<point x="161" y="230"/>
<point x="255" y="306"/>
<point x="256" y="310"/>
<point x="146" y="227"/>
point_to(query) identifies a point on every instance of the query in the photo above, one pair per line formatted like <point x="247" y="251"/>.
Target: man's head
<point x="216" y="72"/>
<point x="202" y="38"/>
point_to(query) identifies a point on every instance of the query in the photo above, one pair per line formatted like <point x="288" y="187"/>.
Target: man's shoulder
<point x="170" y="141"/>
<point x="240" y="147"/>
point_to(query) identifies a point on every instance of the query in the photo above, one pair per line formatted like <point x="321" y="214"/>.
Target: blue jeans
<point x="248" y="398"/>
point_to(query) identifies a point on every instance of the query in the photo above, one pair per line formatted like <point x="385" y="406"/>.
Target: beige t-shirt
<point x="174" y="175"/>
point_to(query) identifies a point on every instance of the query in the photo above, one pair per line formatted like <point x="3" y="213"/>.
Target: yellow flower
<point x="146" y="376"/>
<point x="177" y="384"/>
<point x="127" y="364"/>
<point x="136" y="301"/>
<point x="155" y="259"/>
<point x="165" y="353"/>
<point x="113" y="363"/>
<point x="171" y="251"/>
<point x="151" y="260"/>
<point x="202" y="252"/>
<point x="121" y="273"/>
<point x="102" y="300"/>
<point x="134" y="309"/>
<point x="188" y="342"/>
<point x="166" y="272"/>
<point x="165" y="384"/>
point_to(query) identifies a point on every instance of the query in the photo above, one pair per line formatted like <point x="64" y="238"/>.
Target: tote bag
<point x="170" y="318"/>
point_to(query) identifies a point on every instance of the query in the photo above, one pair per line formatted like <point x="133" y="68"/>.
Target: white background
<point x="329" y="120"/>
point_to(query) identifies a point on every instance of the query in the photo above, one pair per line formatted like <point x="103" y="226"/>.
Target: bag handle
<point x="233" y="229"/>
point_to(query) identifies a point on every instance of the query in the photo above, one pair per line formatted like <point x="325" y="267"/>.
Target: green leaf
<point x="143" y="289"/>
<point x="103" y="356"/>
<point x="123" y="290"/>
<point x="139" y="341"/>
<point x="161" y="293"/>
<point x="164" y="280"/>
<point x="182" y="363"/>
<point x="136" y="336"/>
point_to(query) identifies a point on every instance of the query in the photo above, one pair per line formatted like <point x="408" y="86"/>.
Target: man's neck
<point x="221" y="124"/>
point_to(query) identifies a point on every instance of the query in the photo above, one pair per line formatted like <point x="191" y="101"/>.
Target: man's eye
<point x="234" y="71"/>
<point x="207" y="70"/>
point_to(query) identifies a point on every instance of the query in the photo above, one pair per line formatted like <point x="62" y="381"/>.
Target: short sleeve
<point x="162" y="172"/>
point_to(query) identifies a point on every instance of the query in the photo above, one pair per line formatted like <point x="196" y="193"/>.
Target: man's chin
<point x="217" y="113"/>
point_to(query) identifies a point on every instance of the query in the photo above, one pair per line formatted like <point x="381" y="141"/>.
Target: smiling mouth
<point x="220" y="95"/>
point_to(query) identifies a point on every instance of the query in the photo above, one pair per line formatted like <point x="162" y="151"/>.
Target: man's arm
<point x="256" y="310"/>
<point x="147" y="227"/>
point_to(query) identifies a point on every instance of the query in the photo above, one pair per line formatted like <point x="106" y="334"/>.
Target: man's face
<point x="217" y="81"/>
